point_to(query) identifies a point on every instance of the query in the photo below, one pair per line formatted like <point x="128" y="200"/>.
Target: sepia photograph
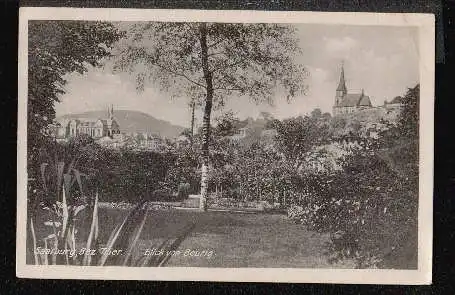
<point x="225" y="146"/>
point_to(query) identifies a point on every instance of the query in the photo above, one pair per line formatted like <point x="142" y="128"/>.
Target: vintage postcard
<point x="225" y="146"/>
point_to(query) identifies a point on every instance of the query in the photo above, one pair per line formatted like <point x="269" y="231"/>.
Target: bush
<point x="183" y="168"/>
<point x="165" y="195"/>
<point x="117" y="175"/>
<point x="183" y="191"/>
<point x="369" y="208"/>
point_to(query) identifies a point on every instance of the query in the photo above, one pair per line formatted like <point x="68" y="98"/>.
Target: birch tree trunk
<point x="193" y="105"/>
<point x="206" y="118"/>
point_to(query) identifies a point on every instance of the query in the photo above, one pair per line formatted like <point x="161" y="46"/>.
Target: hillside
<point x="371" y="115"/>
<point x="363" y="120"/>
<point x="134" y="121"/>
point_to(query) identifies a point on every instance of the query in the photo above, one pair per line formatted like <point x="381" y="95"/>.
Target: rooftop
<point x="355" y="99"/>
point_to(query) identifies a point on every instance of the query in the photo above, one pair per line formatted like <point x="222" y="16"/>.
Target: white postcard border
<point x="426" y="26"/>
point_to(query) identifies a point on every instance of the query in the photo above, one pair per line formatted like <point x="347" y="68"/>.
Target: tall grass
<point x="63" y="211"/>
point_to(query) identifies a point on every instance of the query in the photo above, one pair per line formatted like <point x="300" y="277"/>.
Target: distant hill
<point x="133" y="121"/>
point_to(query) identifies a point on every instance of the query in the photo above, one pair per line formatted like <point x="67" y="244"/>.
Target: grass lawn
<point x="235" y="239"/>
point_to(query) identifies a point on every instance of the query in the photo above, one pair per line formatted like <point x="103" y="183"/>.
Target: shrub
<point x="183" y="191"/>
<point x="183" y="168"/>
<point x="163" y="195"/>
<point x="369" y="208"/>
<point x="118" y="175"/>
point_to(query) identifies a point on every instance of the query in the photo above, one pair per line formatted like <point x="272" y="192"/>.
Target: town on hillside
<point x="107" y="131"/>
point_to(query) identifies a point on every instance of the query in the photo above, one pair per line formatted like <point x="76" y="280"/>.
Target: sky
<point x="381" y="60"/>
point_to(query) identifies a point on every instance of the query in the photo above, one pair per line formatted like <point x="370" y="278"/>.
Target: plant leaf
<point x="46" y="261"/>
<point x="112" y="239"/>
<point x="79" y="209"/>
<point x="93" y="235"/>
<point x="117" y="232"/>
<point x="67" y="183"/>
<point x="43" y="175"/>
<point x="151" y="260"/>
<point x="60" y="166"/>
<point x="51" y="236"/>
<point x="135" y="237"/>
<point x="32" y="229"/>
<point x="64" y="211"/>
<point x="78" y="178"/>
<point x="176" y="243"/>
<point x="73" y="163"/>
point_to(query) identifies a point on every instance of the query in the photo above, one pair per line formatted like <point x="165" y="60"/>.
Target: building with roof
<point x="345" y="102"/>
<point x="95" y="128"/>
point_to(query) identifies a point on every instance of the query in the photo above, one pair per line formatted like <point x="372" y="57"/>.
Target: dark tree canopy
<point x="409" y="119"/>
<point x="227" y="124"/>
<point x="57" y="48"/>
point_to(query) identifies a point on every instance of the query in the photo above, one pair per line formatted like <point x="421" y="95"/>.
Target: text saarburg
<point x="82" y="251"/>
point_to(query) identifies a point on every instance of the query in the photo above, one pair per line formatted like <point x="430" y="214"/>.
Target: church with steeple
<point x="345" y="102"/>
<point x="95" y="128"/>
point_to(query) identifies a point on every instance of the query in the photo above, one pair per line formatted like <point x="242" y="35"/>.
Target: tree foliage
<point x="297" y="136"/>
<point x="211" y="62"/>
<point x="409" y="119"/>
<point x="370" y="207"/>
<point x="57" y="48"/>
<point x="245" y="59"/>
<point x="226" y="124"/>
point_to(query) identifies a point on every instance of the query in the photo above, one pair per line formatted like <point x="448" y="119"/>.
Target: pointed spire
<point x="342" y="84"/>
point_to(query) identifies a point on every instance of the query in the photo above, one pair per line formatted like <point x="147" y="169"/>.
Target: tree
<point x="409" y="117"/>
<point x="316" y="113"/>
<point x="57" y="48"/>
<point x="214" y="61"/>
<point x="195" y="102"/>
<point x="193" y="107"/>
<point x="297" y="136"/>
<point x="226" y="124"/>
<point x="186" y="132"/>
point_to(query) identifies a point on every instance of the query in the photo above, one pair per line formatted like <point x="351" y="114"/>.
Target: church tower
<point x="341" y="89"/>
<point x="112" y="112"/>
